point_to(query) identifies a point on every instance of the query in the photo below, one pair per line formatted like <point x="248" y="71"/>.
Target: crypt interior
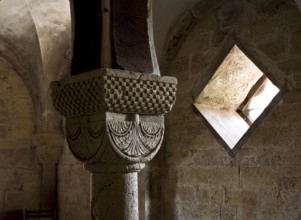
<point x="212" y="159"/>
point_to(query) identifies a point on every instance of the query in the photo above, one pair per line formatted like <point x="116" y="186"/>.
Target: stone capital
<point x="114" y="118"/>
<point x="48" y="147"/>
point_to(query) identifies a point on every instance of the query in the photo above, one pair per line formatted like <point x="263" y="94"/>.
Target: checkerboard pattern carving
<point x="79" y="98"/>
<point x="116" y="91"/>
<point x="143" y="96"/>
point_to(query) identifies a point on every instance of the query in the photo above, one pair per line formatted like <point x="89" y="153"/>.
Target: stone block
<point x="204" y="140"/>
<point x="259" y="177"/>
<point x="271" y="215"/>
<point x="248" y="156"/>
<point x="216" y="176"/>
<point x="290" y="201"/>
<point x="202" y="194"/>
<point x="247" y="212"/>
<point x="187" y="210"/>
<point x="212" y="158"/>
<point x="186" y="193"/>
<point x="228" y="212"/>
<point x="207" y="195"/>
<point x="242" y="197"/>
<point x="288" y="174"/>
<point x="271" y="139"/>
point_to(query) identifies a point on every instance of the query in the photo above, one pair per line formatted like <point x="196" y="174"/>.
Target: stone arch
<point x="19" y="187"/>
<point x="21" y="67"/>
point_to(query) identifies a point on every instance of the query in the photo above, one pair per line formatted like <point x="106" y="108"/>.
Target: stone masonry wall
<point x="73" y="187"/>
<point x="19" y="168"/>
<point x="199" y="178"/>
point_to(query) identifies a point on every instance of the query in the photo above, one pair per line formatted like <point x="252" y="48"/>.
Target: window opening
<point x="235" y="97"/>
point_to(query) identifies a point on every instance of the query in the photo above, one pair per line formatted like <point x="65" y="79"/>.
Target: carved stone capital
<point x="114" y="118"/>
<point x="48" y="147"/>
<point x="114" y="139"/>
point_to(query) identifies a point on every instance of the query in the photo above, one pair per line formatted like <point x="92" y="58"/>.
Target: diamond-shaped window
<point x="235" y="98"/>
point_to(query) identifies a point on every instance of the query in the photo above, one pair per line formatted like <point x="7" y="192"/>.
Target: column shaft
<point x="114" y="196"/>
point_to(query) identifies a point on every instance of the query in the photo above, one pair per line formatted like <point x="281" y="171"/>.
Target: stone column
<point x="48" y="150"/>
<point x="114" y="125"/>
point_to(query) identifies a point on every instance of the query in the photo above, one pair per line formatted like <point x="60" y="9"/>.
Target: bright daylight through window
<point x="234" y="98"/>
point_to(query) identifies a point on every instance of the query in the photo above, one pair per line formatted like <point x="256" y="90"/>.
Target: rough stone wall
<point x="19" y="168"/>
<point x="73" y="187"/>
<point x="263" y="181"/>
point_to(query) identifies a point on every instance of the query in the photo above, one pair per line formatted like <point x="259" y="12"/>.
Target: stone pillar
<point x="123" y="188"/>
<point x="114" y="125"/>
<point x="48" y="150"/>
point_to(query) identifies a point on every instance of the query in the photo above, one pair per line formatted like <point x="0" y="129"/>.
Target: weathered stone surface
<point x="194" y="44"/>
<point x="261" y="177"/>
<point x="228" y="212"/>
<point x="115" y="91"/>
<point x="48" y="147"/>
<point x="240" y="197"/>
<point x="198" y="62"/>
<point x="121" y="189"/>
<point x="19" y="168"/>
<point x="136" y="36"/>
<point x="295" y="44"/>
<point x="263" y="180"/>
<point x="217" y="176"/>
<point x="276" y="49"/>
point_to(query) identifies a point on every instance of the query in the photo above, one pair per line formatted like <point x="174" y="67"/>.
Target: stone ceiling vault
<point x="35" y="39"/>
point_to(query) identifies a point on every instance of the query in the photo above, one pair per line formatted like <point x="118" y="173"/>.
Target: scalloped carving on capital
<point x="86" y="137"/>
<point x="115" y="139"/>
<point x="135" y="140"/>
